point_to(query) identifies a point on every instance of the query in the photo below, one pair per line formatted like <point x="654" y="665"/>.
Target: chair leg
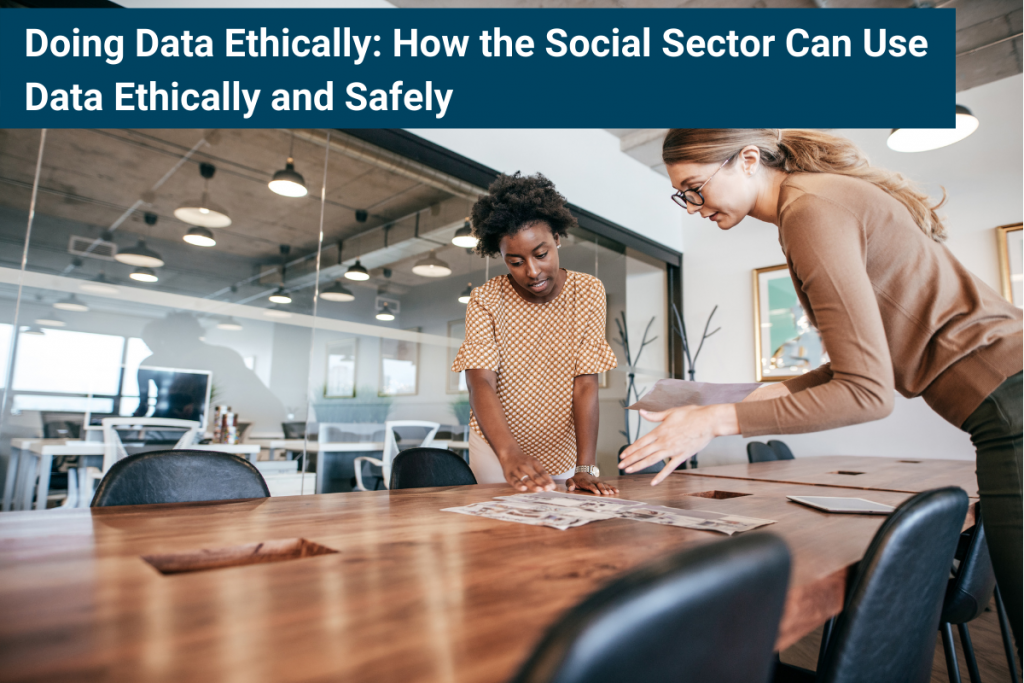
<point x="952" y="668"/>
<point x="1004" y="626"/>
<point x="826" y="634"/>
<point x="972" y="663"/>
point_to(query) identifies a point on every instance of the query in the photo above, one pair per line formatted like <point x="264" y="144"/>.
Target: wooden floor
<point x="985" y="636"/>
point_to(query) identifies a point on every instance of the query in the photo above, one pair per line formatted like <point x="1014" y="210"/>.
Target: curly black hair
<point x="515" y="202"/>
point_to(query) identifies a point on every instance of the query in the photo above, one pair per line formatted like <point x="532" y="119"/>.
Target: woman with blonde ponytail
<point x="895" y="309"/>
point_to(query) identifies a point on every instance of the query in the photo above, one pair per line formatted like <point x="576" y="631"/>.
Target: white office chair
<point x="391" y="450"/>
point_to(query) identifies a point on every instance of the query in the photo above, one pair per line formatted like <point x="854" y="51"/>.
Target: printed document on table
<point x="535" y="514"/>
<point x="608" y="507"/>
<point x="672" y="393"/>
<point x="693" y="519"/>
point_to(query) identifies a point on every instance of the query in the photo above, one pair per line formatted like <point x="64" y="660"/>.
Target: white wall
<point x="983" y="179"/>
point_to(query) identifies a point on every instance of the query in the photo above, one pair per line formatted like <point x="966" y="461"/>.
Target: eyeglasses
<point x="693" y="196"/>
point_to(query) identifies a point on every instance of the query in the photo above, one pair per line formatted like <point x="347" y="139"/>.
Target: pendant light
<point x="925" y="139"/>
<point x="202" y="211"/>
<point x="229" y="324"/>
<point x="288" y="182"/>
<point x="72" y="303"/>
<point x="357" y="272"/>
<point x="141" y="255"/>
<point x="337" y="292"/>
<point x="431" y="266"/>
<point x="50" y="320"/>
<point x="464" y="236"/>
<point x="385" y="313"/>
<point x="280" y="296"/>
<point x="200" y="237"/>
<point x="34" y="330"/>
<point x="144" y="275"/>
<point x="466" y="293"/>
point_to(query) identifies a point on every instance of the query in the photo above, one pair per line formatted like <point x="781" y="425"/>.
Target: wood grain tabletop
<point x="411" y="594"/>
<point x="909" y="475"/>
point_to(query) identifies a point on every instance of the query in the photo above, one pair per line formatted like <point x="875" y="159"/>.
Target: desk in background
<point x="459" y="598"/>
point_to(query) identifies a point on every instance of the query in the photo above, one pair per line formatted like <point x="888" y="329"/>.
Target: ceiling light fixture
<point x="33" y="330"/>
<point x="357" y="272"/>
<point x="72" y="303"/>
<point x="203" y="212"/>
<point x="229" y="324"/>
<point x="385" y="313"/>
<point x="280" y="296"/>
<point x="431" y="266"/>
<point x="139" y="255"/>
<point x="337" y="292"/>
<point x="50" y="320"/>
<point x="200" y="237"/>
<point x="144" y="275"/>
<point x="288" y="182"/>
<point x="464" y="236"/>
<point x="925" y="139"/>
<point x="466" y="293"/>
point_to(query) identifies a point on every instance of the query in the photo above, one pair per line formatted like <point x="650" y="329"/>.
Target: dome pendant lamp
<point x="431" y="266"/>
<point x="925" y="139"/>
<point x="337" y="292"/>
<point x="466" y="293"/>
<point x="200" y="237"/>
<point x="464" y="236"/>
<point x="385" y="313"/>
<point x="288" y="182"/>
<point x="202" y="211"/>
<point x="357" y="272"/>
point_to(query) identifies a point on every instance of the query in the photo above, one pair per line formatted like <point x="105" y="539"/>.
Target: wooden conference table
<point x="412" y="593"/>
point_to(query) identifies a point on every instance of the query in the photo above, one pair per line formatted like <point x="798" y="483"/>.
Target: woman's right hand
<point x="525" y="473"/>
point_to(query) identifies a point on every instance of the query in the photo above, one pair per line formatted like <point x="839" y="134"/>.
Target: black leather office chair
<point x="887" y="630"/>
<point x="707" y="614"/>
<point x="179" y="477"/>
<point x="760" y="452"/>
<point x="420" y="467"/>
<point x="782" y="450"/>
<point x="967" y="595"/>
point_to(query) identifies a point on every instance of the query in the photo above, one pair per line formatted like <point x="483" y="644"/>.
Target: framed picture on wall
<point x="456" y="380"/>
<point x="1011" y="255"/>
<point x="341" y="369"/>
<point x="786" y="345"/>
<point x="399" y="366"/>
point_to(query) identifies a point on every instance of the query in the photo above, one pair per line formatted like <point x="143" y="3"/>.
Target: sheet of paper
<point x="604" y="506"/>
<point x="672" y="393"/>
<point x="693" y="519"/>
<point x="535" y="514"/>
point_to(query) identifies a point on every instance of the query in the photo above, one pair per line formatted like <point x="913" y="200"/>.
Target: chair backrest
<point x="391" y="443"/>
<point x="760" y="452"/>
<point x="707" y="614"/>
<point x="782" y="450"/>
<point x="113" y="448"/>
<point x="418" y="468"/>
<point x="350" y="432"/>
<point x="970" y="591"/>
<point x="179" y="477"/>
<point x="887" y="629"/>
<point x="294" y="430"/>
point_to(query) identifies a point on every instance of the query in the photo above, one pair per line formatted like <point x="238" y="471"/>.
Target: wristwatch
<point x="589" y="469"/>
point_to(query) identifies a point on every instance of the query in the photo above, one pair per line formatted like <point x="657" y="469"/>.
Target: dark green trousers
<point x="995" y="429"/>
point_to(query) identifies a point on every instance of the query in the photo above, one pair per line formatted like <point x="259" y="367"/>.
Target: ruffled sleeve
<point x="594" y="355"/>
<point x="479" y="351"/>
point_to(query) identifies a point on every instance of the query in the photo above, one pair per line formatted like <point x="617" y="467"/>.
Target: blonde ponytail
<point x="803" y="151"/>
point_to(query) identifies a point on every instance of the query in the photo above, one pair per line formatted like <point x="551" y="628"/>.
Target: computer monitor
<point x="180" y="394"/>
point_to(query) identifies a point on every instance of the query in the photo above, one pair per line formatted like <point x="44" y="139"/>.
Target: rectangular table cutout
<point x="911" y="462"/>
<point x="846" y="472"/>
<point x="717" y="495"/>
<point x="278" y="550"/>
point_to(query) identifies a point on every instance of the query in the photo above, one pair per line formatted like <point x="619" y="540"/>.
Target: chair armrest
<point x="357" y="464"/>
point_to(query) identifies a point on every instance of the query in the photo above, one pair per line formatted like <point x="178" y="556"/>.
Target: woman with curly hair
<point x="895" y="309"/>
<point x="535" y="341"/>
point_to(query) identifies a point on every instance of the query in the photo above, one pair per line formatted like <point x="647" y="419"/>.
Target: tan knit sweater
<point x="895" y="309"/>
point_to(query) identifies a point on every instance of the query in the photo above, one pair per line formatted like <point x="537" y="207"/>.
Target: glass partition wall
<point x="306" y="282"/>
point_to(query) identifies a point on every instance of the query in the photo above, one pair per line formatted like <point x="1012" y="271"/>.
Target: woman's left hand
<point x="584" y="481"/>
<point x="682" y="433"/>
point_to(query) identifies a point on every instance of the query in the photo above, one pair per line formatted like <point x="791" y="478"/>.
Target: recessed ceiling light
<point x="143" y="275"/>
<point x="337" y="292"/>
<point x="72" y="303"/>
<point x="357" y="272"/>
<point x="464" y="236"/>
<point x="202" y="211"/>
<point x="431" y="266"/>
<point x="925" y="139"/>
<point x="200" y="237"/>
